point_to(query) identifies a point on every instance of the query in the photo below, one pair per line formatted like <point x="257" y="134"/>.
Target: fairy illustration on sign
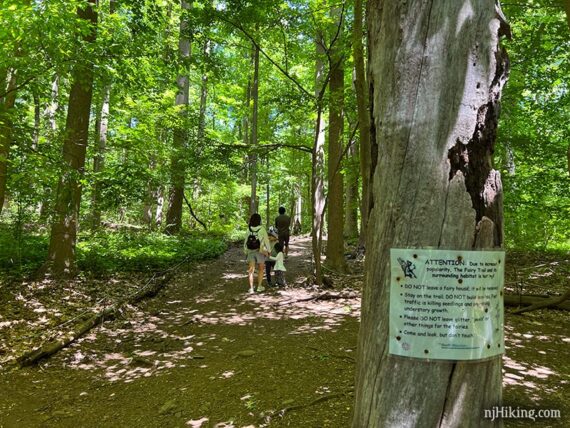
<point x="408" y="267"/>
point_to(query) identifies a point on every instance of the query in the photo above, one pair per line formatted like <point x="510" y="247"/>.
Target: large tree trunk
<point x="6" y="131"/>
<point x="178" y="159"/>
<point x="102" y="125"/>
<point x="437" y="72"/>
<point x="335" y="211"/>
<point x="318" y="164"/>
<point x="254" y="125"/>
<point x="363" y="118"/>
<point x="61" y="256"/>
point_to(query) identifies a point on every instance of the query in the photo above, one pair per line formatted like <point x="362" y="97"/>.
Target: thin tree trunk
<point x="203" y="100"/>
<point x="245" y="123"/>
<point x="6" y="133"/>
<point x="53" y="105"/>
<point x="254" y="125"/>
<point x="298" y="211"/>
<point x="61" y="255"/>
<point x="435" y="105"/>
<point x="159" y="206"/>
<point x="351" y="193"/>
<point x="568" y="156"/>
<point x="335" y="212"/>
<point x="363" y="119"/>
<point x="50" y="116"/>
<point x="178" y="161"/>
<point x="267" y="195"/>
<point x="37" y="121"/>
<point x="147" y="216"/>
<point x="99" y="161"/>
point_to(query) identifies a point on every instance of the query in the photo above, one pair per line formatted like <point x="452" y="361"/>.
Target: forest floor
<point x="204" y="353"/>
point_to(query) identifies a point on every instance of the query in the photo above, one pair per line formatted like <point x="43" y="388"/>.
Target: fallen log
<point x="531" y="300"/>
<point x="150" y="289"/>
<point x="546" y="303"/>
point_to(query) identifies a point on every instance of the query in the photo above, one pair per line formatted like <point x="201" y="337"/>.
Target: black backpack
<point x="252" y="242"/>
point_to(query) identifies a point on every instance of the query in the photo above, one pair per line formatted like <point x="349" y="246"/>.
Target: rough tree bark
<point x="6" y="131"/>
<point x="363" y="118"/>
<point x="335" y="212"/>
<point x="437" y="72"/>
<point x="102" y="125"/>
<point x="63" y="238"/>
<point x="351" y="192"/>
<point x="178" y="161"/>
<point x="318" y="163"/>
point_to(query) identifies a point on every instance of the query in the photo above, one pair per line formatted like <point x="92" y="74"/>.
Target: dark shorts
<point x="284" y="240"/>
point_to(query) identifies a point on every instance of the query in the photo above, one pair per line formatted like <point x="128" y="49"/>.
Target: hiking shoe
<point x="260" y="288"/>
<point x="251" y="291"/>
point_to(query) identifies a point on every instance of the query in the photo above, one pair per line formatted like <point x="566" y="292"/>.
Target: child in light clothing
<point x="279" y="265"/>
<point x="273" y="240"/>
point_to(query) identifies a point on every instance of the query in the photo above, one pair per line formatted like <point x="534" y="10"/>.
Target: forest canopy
<point x="199" y="113"/>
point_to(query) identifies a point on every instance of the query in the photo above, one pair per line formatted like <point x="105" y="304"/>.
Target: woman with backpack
<point x="256" y="247"/>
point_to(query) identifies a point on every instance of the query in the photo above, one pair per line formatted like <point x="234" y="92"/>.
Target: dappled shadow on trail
<point x="199" y="311"/>
<point x="204" y="353"/>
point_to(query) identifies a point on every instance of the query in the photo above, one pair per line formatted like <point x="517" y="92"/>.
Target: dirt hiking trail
<point x="203" y="353"/>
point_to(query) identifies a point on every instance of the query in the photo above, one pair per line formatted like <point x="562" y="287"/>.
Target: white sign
<point x="446" y="305"/>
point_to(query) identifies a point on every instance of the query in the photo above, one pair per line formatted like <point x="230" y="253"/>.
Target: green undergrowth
<point x="136" y="251"/>
<point x="108" y="252"/>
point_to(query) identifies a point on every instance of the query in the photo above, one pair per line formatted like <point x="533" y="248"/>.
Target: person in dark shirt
<point x="283" y="223"/>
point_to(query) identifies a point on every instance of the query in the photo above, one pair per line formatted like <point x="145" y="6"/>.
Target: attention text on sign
<point x="446" y="304"/>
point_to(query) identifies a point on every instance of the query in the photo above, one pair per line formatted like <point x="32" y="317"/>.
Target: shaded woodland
<point x="138" y="137"/>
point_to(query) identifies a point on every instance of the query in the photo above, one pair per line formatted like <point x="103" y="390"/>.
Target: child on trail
<point x="273" y="240"/>
<point x="279" y="266"/>
<point x="256" y="247"/>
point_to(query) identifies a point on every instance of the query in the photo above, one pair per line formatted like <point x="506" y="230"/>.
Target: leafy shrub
<point x="107" y="252"/>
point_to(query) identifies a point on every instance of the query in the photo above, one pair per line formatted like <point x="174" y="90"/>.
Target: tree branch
<point x="192" y="212"/>
<point x="256" y="44"/>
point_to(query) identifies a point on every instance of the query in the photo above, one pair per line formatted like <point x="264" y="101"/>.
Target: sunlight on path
<point x="173" y="334"/>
